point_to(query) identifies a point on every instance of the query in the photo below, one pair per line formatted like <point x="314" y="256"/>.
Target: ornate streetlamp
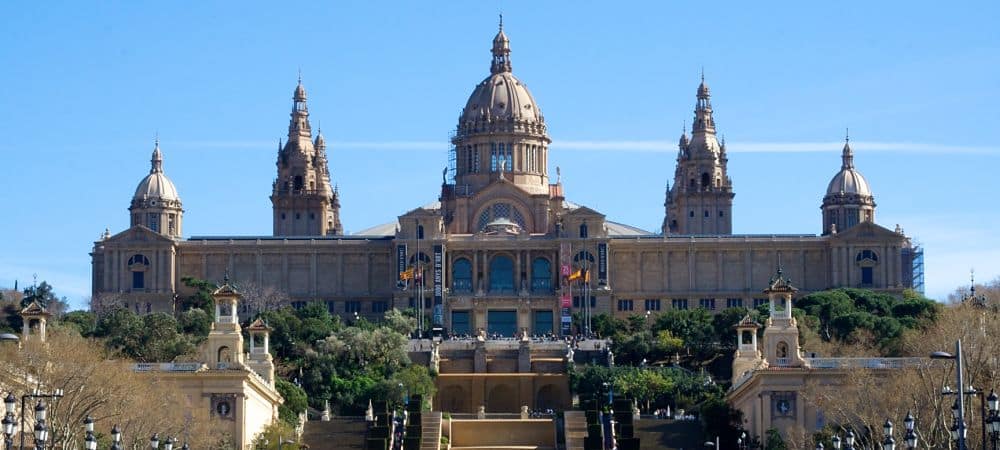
<point x="116" y="438"/>
<point x="994" y="425"/>
<point x="89" y="442"/>
<point x="890" y="442"/>
<point x="911" y="433"/>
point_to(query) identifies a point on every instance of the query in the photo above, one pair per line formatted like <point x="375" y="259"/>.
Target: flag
<point x="580" y="274"/>
<point x="407" y="274"/>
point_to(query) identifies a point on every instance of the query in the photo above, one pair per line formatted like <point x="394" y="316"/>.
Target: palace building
<point x="504" y="248"/>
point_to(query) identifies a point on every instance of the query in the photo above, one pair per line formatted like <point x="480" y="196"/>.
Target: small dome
<point x="300" y="91"/>
<point x="501" y="96"/>
<point x="849" y="181"/>
<point x="156" y="185"/>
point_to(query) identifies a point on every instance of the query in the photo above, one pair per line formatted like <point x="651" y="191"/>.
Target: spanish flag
<point x="580" y="274"/>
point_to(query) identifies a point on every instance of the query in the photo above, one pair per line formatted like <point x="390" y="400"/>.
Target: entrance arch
<point x="548" y="398"/>
<point x="453" y="399"/>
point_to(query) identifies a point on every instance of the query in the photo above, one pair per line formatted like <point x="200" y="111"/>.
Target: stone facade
<point x="497" y="250"/>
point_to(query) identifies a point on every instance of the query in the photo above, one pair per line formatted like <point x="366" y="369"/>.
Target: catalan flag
<point x="407" y="274"/>
<point x="580" y="274"/>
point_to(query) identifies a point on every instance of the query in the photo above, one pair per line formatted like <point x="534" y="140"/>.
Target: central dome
<point x="501" y="96"/>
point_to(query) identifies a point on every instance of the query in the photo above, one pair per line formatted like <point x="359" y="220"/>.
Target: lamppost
<point x="909" y="423"/>
<point x="958" y="429"/>
<point x="39" y="407"/>
<point x="116" y="438"/>
<point x="741" y="442"/>
<point x="89" y="442"/>
<point x="819" y="446"/>
<point x="41" y="434"/>
<point x="9" y="425"/>
<point x="848" y="441"/>
<point x="890" y="442"/>
<point x="994" y="427"/>
<point x="154" y="441"/>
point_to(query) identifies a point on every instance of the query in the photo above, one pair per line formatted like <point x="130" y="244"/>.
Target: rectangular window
<point x="734" y="303"/>
<point x="475" y="159"/>
<point x="625" y="305"/>
<point x="154" y="222"/>
<point x="757" y="302"/>
<point x="460" y="322"/>
<point x="138" y="280"/>
<point x="298" y="304"/>
<point x="707" y="303"/>
<point x="352" y="306"/>
<point x="170" y="224"/>
<point x="543" y="322"/>
<point x="679" y="303"/>
<point x="494" y="157"/>
<point x="653" y="304"/>
<point x="331" y="306"/>
<point x="380" y="306"/>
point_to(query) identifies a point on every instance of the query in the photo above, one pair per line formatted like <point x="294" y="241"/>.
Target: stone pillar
<point x="524" y="356"/>
<point x="479" y="362"/>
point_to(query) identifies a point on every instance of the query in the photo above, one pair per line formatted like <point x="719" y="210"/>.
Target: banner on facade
<point x="566" y="301"/>
<point x="401" y="268"/>
<point x="602" y="263"/>
<point x="438" y="284"/>
<point x="566" y="269"/>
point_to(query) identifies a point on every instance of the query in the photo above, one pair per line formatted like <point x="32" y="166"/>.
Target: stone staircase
<point x="430" y="430"/>
<point x="575" y="429"/>
<point x="340" y="433"/>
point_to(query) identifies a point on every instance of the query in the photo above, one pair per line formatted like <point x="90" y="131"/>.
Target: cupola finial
<point x="501" y="51"/>
<point x="156" y="162"/>
<point x="847" y="156"/>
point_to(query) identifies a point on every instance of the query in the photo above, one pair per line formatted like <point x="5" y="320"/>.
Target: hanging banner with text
<point x="400" y="266"/>
<point x="602" y="263"/>
<point x="438" y="285"/>
<point x="565" y="265"/>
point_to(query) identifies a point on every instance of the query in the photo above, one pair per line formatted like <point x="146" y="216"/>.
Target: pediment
<point x="583" y="211"/>
<point x="503" y="190"/>
<point x="868" y="231"/>
<point x="139" y="233"/>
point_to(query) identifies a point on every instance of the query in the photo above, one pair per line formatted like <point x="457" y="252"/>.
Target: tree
<point x="85" y="322"/>
<point x="295" y="401"/>
<point x="854" y="403"/>
<point x="774" y="441"/>
<point x="279" y="431"/>
<point x="44" y="295"/>
<point x="94" y="384"/>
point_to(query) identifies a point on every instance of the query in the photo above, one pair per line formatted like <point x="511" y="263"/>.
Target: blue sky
<point x="87" y="86"/>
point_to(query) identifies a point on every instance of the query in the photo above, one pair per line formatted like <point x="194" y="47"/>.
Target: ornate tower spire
<point x="847" y="156"/>
<point x="298" y="126"/>
<point x="701" y="199"/>
<point x="156" y="163"/>
<point x="303" y="201"/>
<point x="501" y="52"/>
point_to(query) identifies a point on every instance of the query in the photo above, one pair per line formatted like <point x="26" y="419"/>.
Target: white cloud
<point x="625" y="146"/>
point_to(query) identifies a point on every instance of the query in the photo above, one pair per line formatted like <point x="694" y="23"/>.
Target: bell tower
<point x="781" y="334"/>
<point x="701" y="200"/>
<point x="303" y="200"/>
<point x="747" y="355"/>
<point x="224" y="347"/>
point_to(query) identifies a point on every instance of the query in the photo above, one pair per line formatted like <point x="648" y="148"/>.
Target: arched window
<point x="584" y="256"/>
<point x="425" y="262"/>
<point x="461" y="275"/>
<point x="502" y="275"/>
<point x="298" y="182"/>
<point x="583" y="230"/>
<point x="498" y="210"/>
<point x="867" y="260"/>
<point x="541" y="275"/>
<point x="705" y="180"/>
<point x="782" y="350"/>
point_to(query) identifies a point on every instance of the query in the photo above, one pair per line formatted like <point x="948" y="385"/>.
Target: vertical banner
<point x="602" y="263"/>
<point x="438" y="285"/>
<point x="565" y="264"/>
<point x="400" y="266"/>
